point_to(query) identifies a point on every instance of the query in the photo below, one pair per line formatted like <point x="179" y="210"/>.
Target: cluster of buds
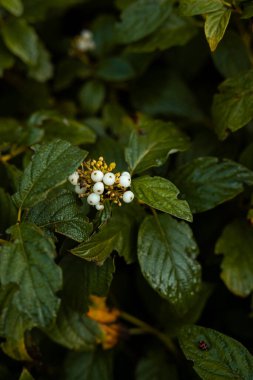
<point x="84" y="42"/>
<point x="96" y="181"/>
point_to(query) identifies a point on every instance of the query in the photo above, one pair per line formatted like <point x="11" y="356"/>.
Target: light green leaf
<point x="96" y="365"/>
<point x="167" y="255"/>
<point x="51" y="165"/>
<point x="13" y="6"/>
<point x="207" y="182"/>
<point x="74" y="330"/>
<point x="92" y="279"/>
<point x="215" y="26"/>
<point x="235" y="244"/>
<point x="161" y="194"/>
<point x="225" y="358"/>
<point x="199" y="7"/>
<point x="115" y="69"/>
<point x="62" y="214"/>
<point x="28" y="260"/>
<point x="151" y="144"/>
<point x="233" y="107"/>
<point x="91" y="96"/>
<point x="25" y="375"/>
<point x="6" y="59"/>
<point x="21" y="39"/>
<point x="141" y="18"/>
<point x="42" y="70"/>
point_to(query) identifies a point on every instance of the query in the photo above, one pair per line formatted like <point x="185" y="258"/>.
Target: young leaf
<point x="13" y="6"/>
<point x="115" y="69"/>
<point x="51" y="165"/>
<point x="28" y="260"/>
<point x="235" y="244"/>
<point x="74" y="330"/>
<point x="215" y="26"/>
<point x="21" y="39"/>
<point x="61" y="213"/>
<point x="161" y="194"/>
<point x="224" y="358"/>
<point x="152" y="143"/>
<point x="207" y="182"/>
<point x="233" y="107"/>
<point x="25" y="375"/>
<point x="96" y="365"/>
<point x="199" y="7"/>
<point x="167" y="255"/>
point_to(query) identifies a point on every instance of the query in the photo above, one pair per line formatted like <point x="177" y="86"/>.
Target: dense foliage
<point x="159" y="288"/>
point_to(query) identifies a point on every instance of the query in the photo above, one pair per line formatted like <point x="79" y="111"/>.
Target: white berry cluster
<point x="96" y="181"/>
<point x="84" y="42"/>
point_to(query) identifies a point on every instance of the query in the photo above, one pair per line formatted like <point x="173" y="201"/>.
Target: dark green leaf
<point x="43" y="69"/>
<point x="161" y="194"/>
<point x="28" y="260"/>
<point x="207" y="182"/>
<point x="167" y="255"/>
<point x="6" y="59"/>
<point x="91" y="96"/>
<point x="224" y="359"/>
<point x="152" y="143"/>
<point x="115" y="69"/>
<point x="235" y="244"/>
<point x="8" y="212"/>
<point x="50" y="167"/>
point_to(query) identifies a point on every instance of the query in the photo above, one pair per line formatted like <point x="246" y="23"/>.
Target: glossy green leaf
<point x="198" y="7"/>
<point x="151" y="144"/>
<point x="167" y="255"/>
<point x="96" y="365"/>
<point x="74" y="330"/>
<point x="215" y="26"/>
<point x="207" y="182"/>
<point x="13" y="6"/>
<point x="50" y="167"/>
<point x="161" y="194"/>
<point x="224" y="359"/>
<point x="232" y="107"/>
<point x="235" y="244"/>
<point x="91" y="96"/>
<point x="62" y="214"/>
<point x="141" y="18"/>
<point x="21" y="39"/>
<point x="28" y="260"/>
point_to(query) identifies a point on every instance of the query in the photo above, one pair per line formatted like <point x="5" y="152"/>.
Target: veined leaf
<point x="161" y="194"/>
<point x="152" y="143"/>
<point x="215" y="26"/>
<point x="167" y="255"/>
<point x="199" y="7"/>
<point x="50" y="167"/>
<point x="28" y="260"/>
<point x="224" y="359"/>
<point x="207" y="182"/>
<point x="235" y="244"/>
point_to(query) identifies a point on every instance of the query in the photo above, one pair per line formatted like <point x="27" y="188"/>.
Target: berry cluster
<point x="96" y="181"/>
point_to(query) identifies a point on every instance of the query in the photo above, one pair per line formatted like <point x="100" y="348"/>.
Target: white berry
<point x="80" y="190"/>
<point x="100" y="207"/>
<point x="125" y="181"/>
<point x="109" y="179"/>
<point x="93" y="199"/>
<point x="73" y="178"/>
<point x="98" y="188"/>
<point x="97" y="176"/>
<point x="126" y="173"/>
<point x="128" y="196"/>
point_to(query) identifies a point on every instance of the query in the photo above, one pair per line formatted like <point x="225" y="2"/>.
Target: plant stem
<point x="19" y="215"/>
<point x="12" y="154"/>
<point x="146" y="328"/>
<point x="2" y="241"/>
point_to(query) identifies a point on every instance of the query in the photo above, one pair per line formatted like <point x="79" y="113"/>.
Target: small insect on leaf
<point x="203" y="345"/>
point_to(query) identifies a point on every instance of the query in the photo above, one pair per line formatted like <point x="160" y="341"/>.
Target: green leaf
<point x="215" y="26"/>
<point x="96" y="365"/>
<point x="8" y="212"/>
<point x="141" y="18"/>
<point x="207" y="182"/>
<point x="74" y="330"/>
<point x="91" y="96"/>
<point x="51" y="165"/>
<point x="34" y="270"/>
<point x="155" y="366"/>
<point x="62" y="214"/>
<point x="6" y="59"/>
<point x="233" y="107"/>
<point x="25" y="375"/>
<point x="115" y="69"/>
<point x="167" y="255"/>
<point x="42" y="70"/>
<point x="116" y="235"/>
<point x="21" y="39"/>
<point x="235" y="244"/>
<point x="161" y="194"/>
<point x="11" y="131"/>
<point x="92" y="279"/>
<point x="13" y="6"/>
<point x="199" y="7"/>
<point x="151" y="144"/>
<point x="224" y="359"/>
